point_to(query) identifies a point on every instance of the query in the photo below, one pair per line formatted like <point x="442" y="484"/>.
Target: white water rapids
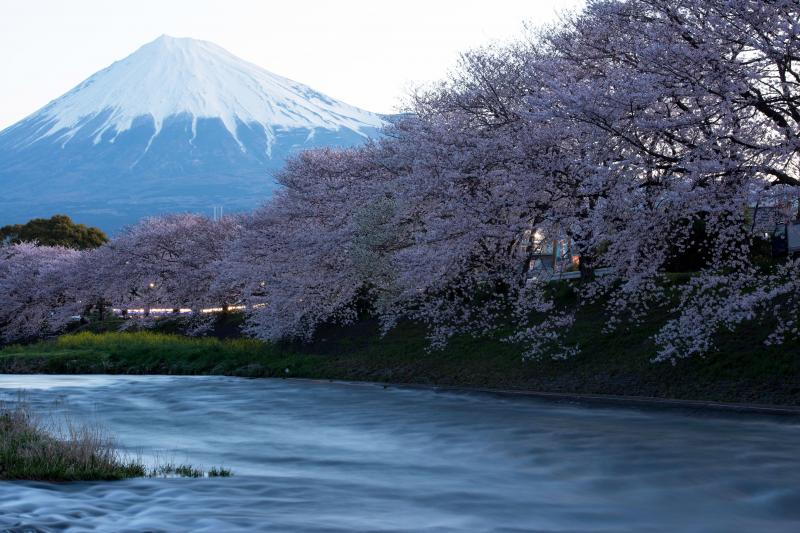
<point x="312" y="456"/>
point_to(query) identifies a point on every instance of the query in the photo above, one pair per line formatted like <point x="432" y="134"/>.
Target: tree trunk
<point x="586" y="267"/>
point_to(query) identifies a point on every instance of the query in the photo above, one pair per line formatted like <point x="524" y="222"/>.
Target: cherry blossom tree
<point x="697" y="104"/>
<point x="37" y="288"/>
<point x="621" y="129"/>
<point x="165" y="262"/>
<point x="314" y="251"/>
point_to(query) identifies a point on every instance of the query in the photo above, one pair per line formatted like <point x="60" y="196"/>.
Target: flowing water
<point x="312" y="456"/>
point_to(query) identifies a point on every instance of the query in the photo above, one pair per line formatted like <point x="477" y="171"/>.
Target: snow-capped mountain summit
<point x="179" y="125"/>
<point x="171" y="76"/>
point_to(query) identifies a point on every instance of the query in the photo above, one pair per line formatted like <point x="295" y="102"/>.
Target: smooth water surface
<point x="313" y="456"/>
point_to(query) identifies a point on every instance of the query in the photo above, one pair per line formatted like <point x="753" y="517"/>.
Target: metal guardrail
<point x="175" y="311"/>
<point x="178" y="311"/>
<point x="558" y="276"/>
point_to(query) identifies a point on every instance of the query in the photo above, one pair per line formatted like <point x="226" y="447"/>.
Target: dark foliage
<point x="58" y="230"/>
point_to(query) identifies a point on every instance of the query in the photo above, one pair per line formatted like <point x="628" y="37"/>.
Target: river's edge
<point x="616" y="400"/>
<point x="617" y="367"/>
<point x="595" y="398"/>
<point x="609" y="400"/>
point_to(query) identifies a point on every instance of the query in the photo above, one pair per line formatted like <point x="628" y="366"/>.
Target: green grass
<point x="742" y="369"/>
<point x="219" y="472"/>
<point x="31" y="450"/>
<point x="147" y="352"/>
<point x="184" y="470"/>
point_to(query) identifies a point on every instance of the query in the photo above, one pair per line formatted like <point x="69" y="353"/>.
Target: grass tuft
<point x="219" y="472"/>
<point x="30" y="450"/>
<point x="185" y="470"/>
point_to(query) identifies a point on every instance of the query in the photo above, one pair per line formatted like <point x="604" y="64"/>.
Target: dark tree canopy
<point x="58" y="230"/>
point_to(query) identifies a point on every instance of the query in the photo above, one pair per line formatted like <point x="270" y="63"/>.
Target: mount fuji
<point x="179" y="125"/>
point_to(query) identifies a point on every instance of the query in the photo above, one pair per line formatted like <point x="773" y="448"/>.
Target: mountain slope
<point x="179" y="125"/>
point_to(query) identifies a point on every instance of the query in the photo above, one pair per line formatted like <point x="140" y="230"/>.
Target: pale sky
<point x="366" y="53"/>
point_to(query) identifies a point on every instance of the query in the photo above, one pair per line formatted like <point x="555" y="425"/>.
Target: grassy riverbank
<point x="742" y="370"/>
<point x="30" y="451"/>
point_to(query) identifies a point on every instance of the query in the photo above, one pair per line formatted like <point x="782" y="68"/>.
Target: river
<point x="316" y="456"/>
